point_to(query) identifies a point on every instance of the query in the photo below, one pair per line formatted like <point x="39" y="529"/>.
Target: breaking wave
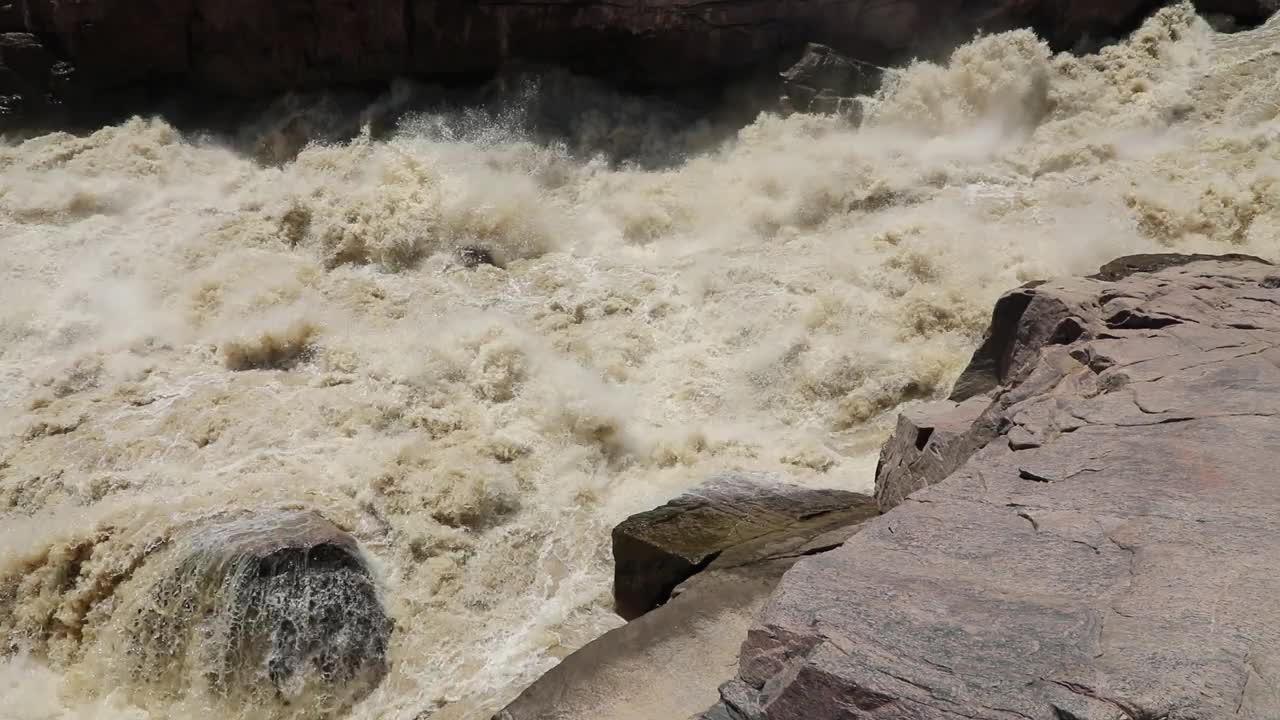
<point x="187" y="331"/>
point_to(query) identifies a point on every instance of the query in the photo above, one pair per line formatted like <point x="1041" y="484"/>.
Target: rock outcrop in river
<point x="824" y="81"/>
<point x="1089" y="529"/>
<point x="80" y="51"/>
<point x="272" y="607"/>
<point x="275" y="609"/>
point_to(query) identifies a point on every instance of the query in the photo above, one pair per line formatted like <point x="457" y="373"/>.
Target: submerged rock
<point x="667" y="663"/>
<point x="1103" y="541"/>
<point x="275" y="608"/>
<point x="272" y="609"/>
<point x="474" y="256"/>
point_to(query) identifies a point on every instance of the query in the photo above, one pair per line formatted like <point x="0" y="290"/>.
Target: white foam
<point x="762" y="305"/>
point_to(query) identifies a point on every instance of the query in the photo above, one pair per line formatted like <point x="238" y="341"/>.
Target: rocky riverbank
<point x="1086" y="529"/>
<point x="1105" y="547"/>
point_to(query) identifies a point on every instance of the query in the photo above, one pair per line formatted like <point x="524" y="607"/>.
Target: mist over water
<point x="187" y="332"/>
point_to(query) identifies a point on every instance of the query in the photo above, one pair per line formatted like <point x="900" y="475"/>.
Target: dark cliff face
<point x="250" y="48"/>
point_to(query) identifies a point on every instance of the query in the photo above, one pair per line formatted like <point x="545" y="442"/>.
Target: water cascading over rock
<point x="278" y="607"/>
<point x="275" y="610"/>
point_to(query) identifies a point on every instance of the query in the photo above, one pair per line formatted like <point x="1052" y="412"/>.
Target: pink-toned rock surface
<point x="1103" y="542"/>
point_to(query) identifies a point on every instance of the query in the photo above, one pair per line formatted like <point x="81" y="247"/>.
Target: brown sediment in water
<point x="760" y="304"/>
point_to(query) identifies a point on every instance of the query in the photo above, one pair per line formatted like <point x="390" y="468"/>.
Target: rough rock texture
<point x="26" y="73"/>
<point x="1109" y="546"/>
<point x="930" y="442"/>
<point x="824" y="81"/>
<point x="668" y="663"/>
<point x="655" y="551"/>
<point x="248" y="47"/>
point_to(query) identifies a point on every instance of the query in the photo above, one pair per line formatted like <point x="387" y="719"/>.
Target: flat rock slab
<point x="666" y="664"/>
<point x="718" y="551"/>
<point x="1107" y="547"/>
<point x="747" y="517"/>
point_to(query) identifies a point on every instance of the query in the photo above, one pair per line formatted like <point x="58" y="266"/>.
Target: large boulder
<point x="1108" y="545"/>
<point x="274" y="609"/>
<point x="271" y="608"/>
<point x="668" y="663"/>
<point x="824" y="81"/>
<point x="243" y="47"/>
<point x="656" y="550"/>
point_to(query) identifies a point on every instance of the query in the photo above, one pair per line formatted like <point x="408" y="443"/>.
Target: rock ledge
<point x="1090" y="528"/>
<point x="727" y="543"/>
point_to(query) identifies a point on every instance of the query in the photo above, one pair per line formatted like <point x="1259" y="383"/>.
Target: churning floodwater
<point x="187" y="333"/>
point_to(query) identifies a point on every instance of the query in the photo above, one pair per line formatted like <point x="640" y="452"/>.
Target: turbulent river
<point x="186" y="332"/>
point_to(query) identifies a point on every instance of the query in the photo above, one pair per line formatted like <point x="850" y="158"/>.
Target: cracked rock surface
<point x="1090" y="528"/>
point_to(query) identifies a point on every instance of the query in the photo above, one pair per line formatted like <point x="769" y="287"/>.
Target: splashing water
<point x="184" y="332"/>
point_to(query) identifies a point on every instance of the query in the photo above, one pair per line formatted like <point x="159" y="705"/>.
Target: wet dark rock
<point x="824" y="81"/>
<point x="1238" y="13"/>
<point x="656" y="550"/>
<point x="255" y="49"/>
<point x="474" y="255"/>
<point x="276" y="608"/>
<point x="26" y="74"/>
<point x="1102" y="541"/>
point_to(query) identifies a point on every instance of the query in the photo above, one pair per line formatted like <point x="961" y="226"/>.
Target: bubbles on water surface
<point x="187" y="333"/>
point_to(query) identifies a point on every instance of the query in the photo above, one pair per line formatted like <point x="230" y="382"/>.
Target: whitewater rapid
<point x="186" y="331"/>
